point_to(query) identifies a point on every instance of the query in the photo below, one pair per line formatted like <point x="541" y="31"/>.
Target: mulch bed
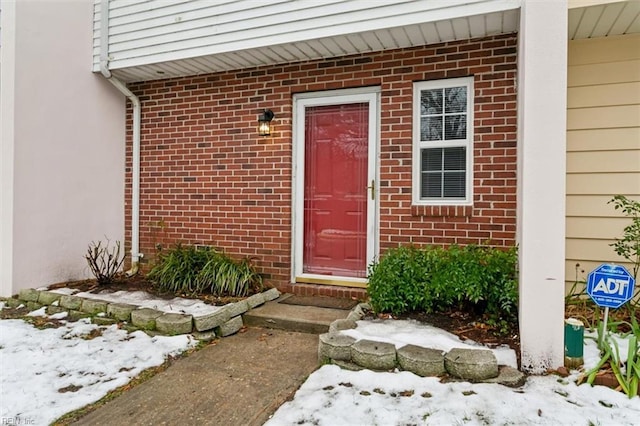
<point x="140" y="283"/>
<point x="463" y="324"/>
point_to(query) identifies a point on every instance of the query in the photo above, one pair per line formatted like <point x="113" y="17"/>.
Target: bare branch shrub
<point x="104" y="262"/>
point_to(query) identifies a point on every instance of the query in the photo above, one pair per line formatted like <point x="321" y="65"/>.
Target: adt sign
<point x="610" y="286"/>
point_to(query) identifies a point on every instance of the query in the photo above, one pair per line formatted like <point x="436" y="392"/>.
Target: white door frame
<point x="370" y="95"/>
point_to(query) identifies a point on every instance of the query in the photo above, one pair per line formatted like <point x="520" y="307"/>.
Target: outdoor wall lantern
<point x="264" y="123"/>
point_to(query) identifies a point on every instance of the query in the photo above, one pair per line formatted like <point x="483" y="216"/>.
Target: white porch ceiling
<point x="347" y="44"/>
<point x="601" y="20"/>
<point x="604" y="20"/>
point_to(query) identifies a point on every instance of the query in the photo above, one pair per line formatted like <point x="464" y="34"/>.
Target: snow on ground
<point x="46" y="373"/>
<point x="143" y="299"/>
<point x="62" y="290"/>
<point x="620" y="342"/>
<point x="403" y="332"/>
<point x="332" y="396"/>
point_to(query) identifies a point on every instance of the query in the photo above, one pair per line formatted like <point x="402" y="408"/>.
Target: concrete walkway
<point x="241" y="380"/>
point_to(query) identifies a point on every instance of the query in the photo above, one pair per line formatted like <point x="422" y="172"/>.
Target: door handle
<point x="373" y="189"/>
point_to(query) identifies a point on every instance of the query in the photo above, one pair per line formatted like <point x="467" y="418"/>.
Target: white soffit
<point x="604" y="20"/>
<point x="463" y="28"/>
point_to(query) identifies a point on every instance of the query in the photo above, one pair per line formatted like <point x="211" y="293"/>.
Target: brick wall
<point x="208" y="178"/>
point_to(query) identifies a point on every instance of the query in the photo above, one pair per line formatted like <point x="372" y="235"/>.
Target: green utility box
<point x="573" y="343"/>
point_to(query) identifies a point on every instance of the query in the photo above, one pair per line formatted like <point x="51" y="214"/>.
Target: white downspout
<point x="135" y="179"/>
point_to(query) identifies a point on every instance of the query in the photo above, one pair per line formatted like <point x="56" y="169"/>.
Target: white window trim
<point x="418" y="144"/>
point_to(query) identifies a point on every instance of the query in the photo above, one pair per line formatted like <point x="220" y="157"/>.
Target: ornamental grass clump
<point x="434" y="279"/>
<point x="191" y="270"/>
<point x="225" y="276"/>
<point x="176" y="271"/>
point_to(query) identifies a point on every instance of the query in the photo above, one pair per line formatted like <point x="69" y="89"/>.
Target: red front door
<point x="335" y="190"/>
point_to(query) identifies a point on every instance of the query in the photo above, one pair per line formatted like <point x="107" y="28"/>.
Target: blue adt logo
<point x="610" y="286"/>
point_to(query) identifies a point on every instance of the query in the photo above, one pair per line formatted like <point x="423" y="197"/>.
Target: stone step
<point x="305" y="319"/>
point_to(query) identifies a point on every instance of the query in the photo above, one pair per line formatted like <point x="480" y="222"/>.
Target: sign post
<point x="610" y="286"/>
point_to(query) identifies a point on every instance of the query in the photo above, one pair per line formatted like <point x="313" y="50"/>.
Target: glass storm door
<point x="338" y="193"/>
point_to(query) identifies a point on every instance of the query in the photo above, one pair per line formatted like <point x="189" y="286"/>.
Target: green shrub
<point x="204" y="270"/>
<point x="395" y="284"/>
<point x="434" y="279"/>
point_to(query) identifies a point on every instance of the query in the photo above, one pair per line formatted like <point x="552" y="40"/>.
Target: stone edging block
<point x="172" y="324"/>
<point x="230" y="327"/>
<point x="93" y="306"/>
<point x="469" y="364"/>
<point x="29" y="295"/>
<point x="212" y="320"/>
<point x="421" y="361"/>
<point x="205" y="336"/>
<point x="237" y="308"/>
<point x="76" y="315"/>
<point x="51" y="310"/>
<point x="103" y="320"/>
<point x="32" y="306"/>
<point x="71" y="302"/>
<point x="374" y="355"/>
<point x="341" y="324"/>
<point x="334" y="347"/>
<point x="271" y="294"/>
<point x="145" y="318"/>
<point x="508" y="376"/>
<point x="120" y="311"/>
<point x="358" y="312"/>
<point x="48" y="297"/>
<point x="255" y="300"/>
<point x="225" y="321"/>
<point x="13" y="303"/>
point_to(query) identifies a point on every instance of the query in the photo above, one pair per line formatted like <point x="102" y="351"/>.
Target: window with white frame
<point x="443" y="142"/>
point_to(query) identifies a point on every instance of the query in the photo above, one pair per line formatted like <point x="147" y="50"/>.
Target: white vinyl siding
<point x="603" y="146"/>
<point x="443" y="142"/>
<point x="232" y="34"/>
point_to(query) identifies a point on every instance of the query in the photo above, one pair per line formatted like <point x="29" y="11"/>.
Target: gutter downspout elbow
<point x="135" y="101"/>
